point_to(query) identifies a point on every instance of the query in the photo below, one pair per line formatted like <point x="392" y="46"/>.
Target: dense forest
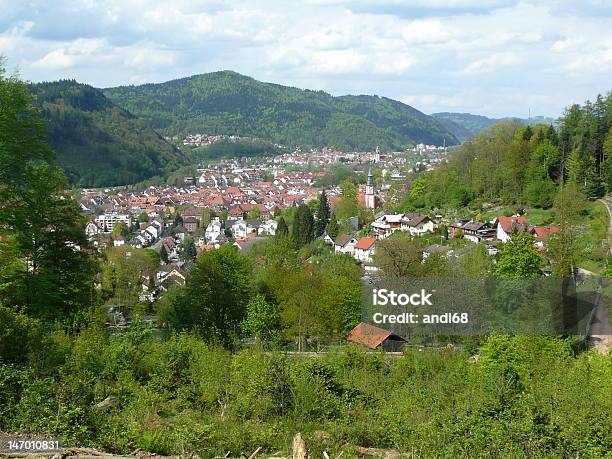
<point x="234" y="149"/>
<point x="230" y="103"/>
<point x="511" y="163"/>
<point x="96" y="142"/>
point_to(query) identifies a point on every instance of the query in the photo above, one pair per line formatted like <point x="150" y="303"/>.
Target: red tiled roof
<point x="507" y="222"/>
<point x="365" y="243"/>
<point x="543" y="232"/>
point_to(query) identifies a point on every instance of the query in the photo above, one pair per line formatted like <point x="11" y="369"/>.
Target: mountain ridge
<point x="227" y="102"/>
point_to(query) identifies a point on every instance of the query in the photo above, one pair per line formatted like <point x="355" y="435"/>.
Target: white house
<point x="345" y="244"/>
<point x="365" y="249"/>
<point x="387" y="224"/>
<point x="153" y="231"/>
<point x="213" y="231"/>
<point x="268" y="227"/>
<point x="417" y="224"/>
<point x="91" y="229"/>
<point x="242" y="228"/>
<point x="118" y="241"/>
<point x="140" y="241"/>
<point x="507" y="225"/>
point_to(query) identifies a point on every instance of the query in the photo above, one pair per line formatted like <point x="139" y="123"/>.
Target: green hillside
<point x="230" y="103"/>
<point x="98" y="143"/>
<point x="466" y="125"/>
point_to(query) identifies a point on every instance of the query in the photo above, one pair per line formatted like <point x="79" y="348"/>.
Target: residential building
<point x="475" y="231"/>
<point x="191" y="224"/>
<point x="437" y="248"/>
<point x="543" y="233"/>
<point x="345" y="243"/>
<point x="506" y="226"/>
<point x="106" y="222"/>
<point x="364" y="249"/>
<point x="417" y="224"/>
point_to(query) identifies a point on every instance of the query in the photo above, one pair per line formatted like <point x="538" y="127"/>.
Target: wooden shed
<point x="376" y="338"/>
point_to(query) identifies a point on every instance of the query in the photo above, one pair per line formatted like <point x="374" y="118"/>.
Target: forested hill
<point x="510" y="163"/>
<point x="98" y="143"/>
<point x="230" y="103"/>
<point x="467" y="125"/>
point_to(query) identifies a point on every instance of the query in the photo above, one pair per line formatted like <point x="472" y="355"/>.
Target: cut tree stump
<point x="299" y="447"/>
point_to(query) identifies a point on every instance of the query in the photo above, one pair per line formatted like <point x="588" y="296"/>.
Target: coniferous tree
<point x="551" y="135"/>
<point x="188" y="250"/>
<point x="282" y="229"/>
<point x="163" y="253"/>
<point x="333" y="228"/>
<point x="303" y="226"/>
<point x="322" y="215"/>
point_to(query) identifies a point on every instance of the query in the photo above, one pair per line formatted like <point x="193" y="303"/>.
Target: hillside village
<point x="245" y="198"/>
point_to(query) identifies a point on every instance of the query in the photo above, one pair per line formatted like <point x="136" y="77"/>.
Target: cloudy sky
<point x="491" y="57"/>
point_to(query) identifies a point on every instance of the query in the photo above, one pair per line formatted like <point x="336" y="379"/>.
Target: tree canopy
<point x="229" y="103"/>
<point x="96" y="142"/>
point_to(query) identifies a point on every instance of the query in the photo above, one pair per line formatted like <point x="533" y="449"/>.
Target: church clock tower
<point x="370" y="198"/>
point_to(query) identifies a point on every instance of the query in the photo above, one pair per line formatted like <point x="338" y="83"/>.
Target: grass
<point x="592" y="242"/>
<point x="539" y="217"/>
<point x="535" y="216"/>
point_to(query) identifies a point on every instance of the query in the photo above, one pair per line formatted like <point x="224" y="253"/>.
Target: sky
<point x="490" y="57"/>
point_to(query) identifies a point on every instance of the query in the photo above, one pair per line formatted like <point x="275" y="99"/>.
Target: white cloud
<point x="491" y="63"/>
<point x="568" y="44"/>
<point x="70" y="56"/>
<point x="55" y="60"/>
<point x="426" y="31"/>
<point x="143" y="58"/>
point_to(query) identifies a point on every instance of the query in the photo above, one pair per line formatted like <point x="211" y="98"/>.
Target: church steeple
<point x="370" y="198"/>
